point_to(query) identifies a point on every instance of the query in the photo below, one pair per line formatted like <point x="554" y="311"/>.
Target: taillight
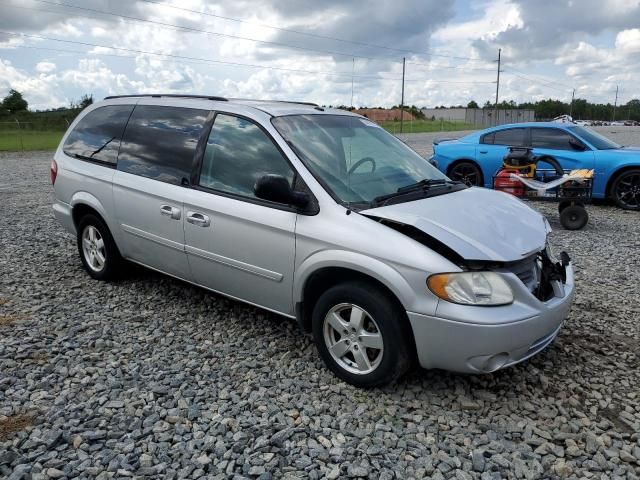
<point x="54" y="172"/>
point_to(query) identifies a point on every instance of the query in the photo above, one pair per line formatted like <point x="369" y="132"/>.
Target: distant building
<point x="482" y="117"/>
<point x="383" y="114"/>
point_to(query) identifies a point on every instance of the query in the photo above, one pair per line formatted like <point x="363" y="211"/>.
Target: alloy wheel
<point x="628" y="191"/>
<point x="93" y="248"/>
<point x="353" y="338"/>
<point x="466" y="173"/>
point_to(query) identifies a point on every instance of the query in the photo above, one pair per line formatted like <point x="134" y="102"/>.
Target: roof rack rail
<point x="172" y="95"/>
<point x="276" y="101"/>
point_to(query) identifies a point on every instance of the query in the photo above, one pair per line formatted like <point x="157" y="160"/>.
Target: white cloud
<point x="629" y="40"/>
<point x="591" y="44"/>
<point x="45" y="67"/>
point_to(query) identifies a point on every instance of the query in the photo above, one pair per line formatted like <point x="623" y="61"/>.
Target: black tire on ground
<point x="101" y="246"/>
<point x="563" y="205"/>
<point x="468" y="173"/>
<point x="389" y="320"/>
<point x="574" y="217"/>
<point x="625" y="190"/>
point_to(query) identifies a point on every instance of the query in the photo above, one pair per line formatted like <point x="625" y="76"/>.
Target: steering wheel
<point x="360" y="162"/>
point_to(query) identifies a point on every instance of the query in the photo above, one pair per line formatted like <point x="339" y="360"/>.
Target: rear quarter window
<point x="514" y="137"/>
<point x="97" y="135"/>
<point x="160" y="142"/>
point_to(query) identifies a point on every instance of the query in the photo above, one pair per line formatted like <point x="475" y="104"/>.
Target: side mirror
<point x="577" y="145"/>
<point x="276" y="188"/>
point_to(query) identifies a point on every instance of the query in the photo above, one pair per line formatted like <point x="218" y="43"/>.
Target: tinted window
<point x="512" y="137"/>
<point x="160" y="142"/>
<point x="238" y="153"/>
<point x="594" y="138"/>
<point x="97" y="135"/>
<point x="488" y="138"/>
<point x="553" y="138"/>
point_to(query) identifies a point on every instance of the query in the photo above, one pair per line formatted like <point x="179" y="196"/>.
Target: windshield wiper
<point x="426" y="183"/>
<point x="421" y="186"/>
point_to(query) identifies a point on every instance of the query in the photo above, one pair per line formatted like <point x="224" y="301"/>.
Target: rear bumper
<point x="484" y="345"/>
<point x="62" y="212"/>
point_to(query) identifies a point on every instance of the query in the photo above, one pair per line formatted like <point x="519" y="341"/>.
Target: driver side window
<point x="237" y="154"/>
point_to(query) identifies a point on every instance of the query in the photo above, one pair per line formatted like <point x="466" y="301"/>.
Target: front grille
<point x="528" y="271"/>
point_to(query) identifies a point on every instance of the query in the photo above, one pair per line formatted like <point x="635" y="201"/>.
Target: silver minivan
<point x="318" y="215"/>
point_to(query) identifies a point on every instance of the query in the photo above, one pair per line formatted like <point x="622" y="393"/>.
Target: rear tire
<point x="467" y="172"/>
<point x="362" y="334"/>
<point x="574" y="217"/>
<point x="98" y="251"/>
<point x="625" y="190"/>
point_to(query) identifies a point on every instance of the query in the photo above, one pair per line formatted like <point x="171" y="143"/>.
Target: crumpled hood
<point x="477" y="223"/>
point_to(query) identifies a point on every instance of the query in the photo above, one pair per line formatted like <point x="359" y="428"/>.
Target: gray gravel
<point x="423" y="142"/>
<point x="151" y="377"/>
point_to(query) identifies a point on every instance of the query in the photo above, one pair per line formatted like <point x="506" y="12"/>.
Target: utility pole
<point x="573" y="95"/>
<point x="497" y="87"/>
<point x="402" y="100"/>
<point x="615" y="104"/>
<point x="353" y="71"/>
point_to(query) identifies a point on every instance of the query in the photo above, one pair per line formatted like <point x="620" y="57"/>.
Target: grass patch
<point x="14" y="424"/>
<point x="27" y="140"/>
<point x="421" y="126"/>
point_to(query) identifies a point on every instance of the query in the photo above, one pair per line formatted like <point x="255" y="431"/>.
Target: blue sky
<point x="317" y="49"/>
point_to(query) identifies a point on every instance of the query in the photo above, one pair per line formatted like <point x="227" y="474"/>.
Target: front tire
<point x="98" y="251"/>
<point x="467" y="172"/>
<point x="362" y="334"/>
<point x="625" y="190"/>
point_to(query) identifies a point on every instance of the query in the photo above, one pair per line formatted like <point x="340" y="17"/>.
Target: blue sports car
<point x="475" y="158"/>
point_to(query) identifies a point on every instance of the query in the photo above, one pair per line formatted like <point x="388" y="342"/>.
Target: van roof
<point x="272" y="107"/>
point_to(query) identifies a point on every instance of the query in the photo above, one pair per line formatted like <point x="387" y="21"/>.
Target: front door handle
<point x="169" y="211"/>
<point x="483" y="151"/>
<point x="199" y="219"/>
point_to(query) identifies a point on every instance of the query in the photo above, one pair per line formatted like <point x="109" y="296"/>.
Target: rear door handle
<point x="199" y="219"/>
<point x="483" y="151"/>
<point x="169" y="211"/>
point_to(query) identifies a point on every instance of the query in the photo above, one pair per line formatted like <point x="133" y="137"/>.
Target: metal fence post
<point x="20" y="135"/>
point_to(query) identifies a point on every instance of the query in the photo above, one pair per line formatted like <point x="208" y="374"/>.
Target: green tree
<point x="14" y="102"/>
<point x="472" y="104"/>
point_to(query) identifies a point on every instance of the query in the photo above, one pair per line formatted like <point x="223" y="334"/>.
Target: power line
<point x="315" y="35"/>
<point x="179" y="27"/>
<point x="534" y="81"/>
<point x="193" y="29"/>
<point x="207" y="60"/>
<point x="540" y="79"/>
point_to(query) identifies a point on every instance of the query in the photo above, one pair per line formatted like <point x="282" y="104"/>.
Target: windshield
<point x="354" y="157"/>
<point x="599" y="142"/>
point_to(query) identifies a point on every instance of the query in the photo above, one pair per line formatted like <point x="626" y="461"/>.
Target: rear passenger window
<point x="550" y="138"/>
<point x="160" y="142"/>
<point x="238" y="153"/>
<point x="513" y="137"/>
<point x="97" y="135"/>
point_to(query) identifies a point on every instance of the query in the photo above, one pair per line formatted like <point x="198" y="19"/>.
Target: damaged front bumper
<point x="474" y="339"/>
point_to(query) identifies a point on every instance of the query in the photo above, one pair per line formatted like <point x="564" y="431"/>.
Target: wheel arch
<point x="614" y="175"/>
<point x="466" y="160"/>
<point x="83" y="203"/>
<point x="316" y="275"/>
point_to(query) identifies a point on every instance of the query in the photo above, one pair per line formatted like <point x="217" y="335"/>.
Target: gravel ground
<point x="423" y="142"/>
<point x="151" y="377"/>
